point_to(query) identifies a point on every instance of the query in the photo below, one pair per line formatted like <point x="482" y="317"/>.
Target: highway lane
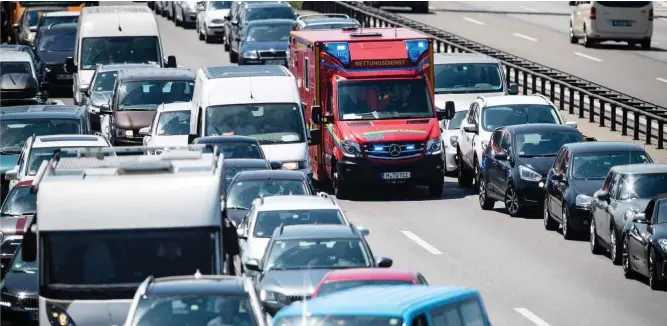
<point x="543" y="38"/>
<point x="519" y="267"/>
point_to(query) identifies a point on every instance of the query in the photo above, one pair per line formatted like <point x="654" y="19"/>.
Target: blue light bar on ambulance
<point x="415" y="49"/>
<point x="340" y="51"/>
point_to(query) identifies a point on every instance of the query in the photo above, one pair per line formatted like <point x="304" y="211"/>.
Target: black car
<point x="54" y="45"/>
<point x="645" y="244"/>
<point x="298" y="256"/>
<point x="55" y="18"/>
<point x="233" y="146"/>
<point x="578" y="172"/>
<point x="40" y="67"/>
<point x="325" y="21"/>
<point x="196" y="300"/>
<point x="18" y="292"/>
<point x="234" y="166"/>
<point x="625" y="193"/>
<point x="515" y="163"/>
<point x="231" y="16"/>
<point x="251" y="11"/>
<point x="265" y="42"/>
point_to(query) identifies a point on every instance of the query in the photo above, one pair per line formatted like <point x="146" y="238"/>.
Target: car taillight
<point x="650" y="15"/>
<point x="593" y="12"/>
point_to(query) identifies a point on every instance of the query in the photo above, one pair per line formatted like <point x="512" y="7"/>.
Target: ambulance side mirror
<point x="316" y="114"/>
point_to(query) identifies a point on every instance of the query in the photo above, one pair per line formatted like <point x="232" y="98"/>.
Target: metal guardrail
<point x="600" y="104"/>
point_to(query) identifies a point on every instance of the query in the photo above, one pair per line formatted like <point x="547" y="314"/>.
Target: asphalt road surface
<point x="527" y="276"/>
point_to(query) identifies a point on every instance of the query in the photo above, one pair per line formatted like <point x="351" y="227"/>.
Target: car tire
<point x="614" y="249"/>
<point x="594" y="245"/>
<point x="654" y="280"/>
<point x="226" y="42"/>
<point x="435" y="189"/>
<point x="464" y="177"/>
<point x="573" y="39"/>
<point x="625" y="254"/>
<point x="485" y="202"/>
<point x="340" y="189"/>
<point x="549" y="223"/>
<point x="233" y="57"/>
<point x="568" y="233"/>
<point x="512" y="203"/>
<point x="199" y="33"/>
<point x="587" y="41"/>
<point x="646" y="44"/>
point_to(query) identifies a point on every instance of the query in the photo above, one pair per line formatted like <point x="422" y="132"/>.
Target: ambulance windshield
<point x="384" y="99"/>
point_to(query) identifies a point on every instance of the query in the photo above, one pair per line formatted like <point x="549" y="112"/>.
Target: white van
<point x="114" y="34"/>
<point x="620" y="21"/>
<point x="258" y="101"/>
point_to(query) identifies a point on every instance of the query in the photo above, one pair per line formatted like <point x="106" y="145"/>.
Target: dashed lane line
<point x="422" y="243"/>
<point x="531" y="316"/>
<point x="588" y="57"/>
<point x="661" y="79"/>
<point x="525" y="37"/>
<point x="474" y="21"/>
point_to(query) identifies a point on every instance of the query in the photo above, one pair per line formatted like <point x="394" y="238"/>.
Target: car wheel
<point x="646" y="44"/>
<point x="464" y="177"/>
<point x="587" y="41"/>
<point x="340" y="189"/>
<point x="435" y="189"/>
<point x="226" y="42"/>
<point x="233" y="57"/>
<point x="549" y="223"/>
<point x="594" y="245"/>
<point x="485" y="202"/>
<point x="512" y="203"/>
<point x="573" y="39"/>
<point x="615" y="250"/>
<point x="653" y="278"/>
<point x="475" y="174"/>
<point x="625" y="260"/>
<point x="568" y="233"/>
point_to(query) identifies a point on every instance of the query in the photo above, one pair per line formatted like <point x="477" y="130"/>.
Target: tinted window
<point x="624" y="4"/>
<point x="38" y="155"/>
<point x="270" y="13"/>
<point x="15" y="68"/>
<point x="332" y="320"/>
<point x="105" y="81"/>
<point x="268" y="123"/>
<point x="313" y="254"/>
<point x="467" y="78"/>
<point x="60" y="42"/>
<point x="242" y="193"/>
<point x="149" y="94"/>
<point x="269" y="33"/>
<point x="173" y="123"/>
<point x="468" y="313"/>
<point x="19" y="201"/>
<point x="458" y="117"/>
<point x="597" y="165"/>
<point x="662" y="211"/>
<point x="238" y="150"/>
<point x="509" y="115"/>
<point x="108" y="50"/>
<point x="14" y="132"/>
<point x="333" y="287"/>
<point x="213" y="5"/>
<point x="643" y="186"/>
<point x="33" y="15"/>
<point x="194" y="310"/>
<point x="20" y="266"/>
<point x="268" y="221"/>
<point x="544" y="143"/>
<point x="230" y="173"/>
<point x="47" y="21"/>
<point x="383" y="99"/>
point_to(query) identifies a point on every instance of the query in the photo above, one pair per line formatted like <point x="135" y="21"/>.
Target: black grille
<point x="358" y="124"/>
<point x="417" y="122"/>
<point x="9" y="247"/>
<point x="29" y="303"/>
<point x="56" y="69"/>
<point x="394" y="151"/>
<point x="272" y="54"/>
<point x="295" y="298"/>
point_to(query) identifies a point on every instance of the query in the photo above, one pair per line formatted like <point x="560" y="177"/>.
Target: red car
<point x="343" y="279"/>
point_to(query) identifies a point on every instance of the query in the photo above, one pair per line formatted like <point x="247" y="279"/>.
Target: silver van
<point x="619" y="21"/>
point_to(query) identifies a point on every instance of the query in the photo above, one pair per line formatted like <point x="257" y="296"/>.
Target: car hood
<point x="14" y="226"/>
<point x="540" y="165"/>
<point x="363" y="131"/>
<point x="255" y="248"/>
<point x="133" y="120"/>
<point x="96" y="312"/>
<point x="236" y="215"/>
<point x="587" y="187"/>
<point x="286" y="152"/>
<point x="85" y="76"/>
<point x="17" y="282"/>
<point x="292" y="282"/>
<point x="55" y="57"/>
<point x="99" y="98"/>
<point x="17" y="82"/>
<point x="8" y="162"/>
<point x="440" y="99"/>
<point x="216" y="14"/>
<point x="265" y="46"/>
<point x="177" y="140"/>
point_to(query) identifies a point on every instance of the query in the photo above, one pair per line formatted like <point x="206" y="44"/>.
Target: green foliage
<point x="296" y="4"/>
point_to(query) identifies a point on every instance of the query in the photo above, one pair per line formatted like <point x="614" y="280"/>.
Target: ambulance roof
<point x="359" y="35"/>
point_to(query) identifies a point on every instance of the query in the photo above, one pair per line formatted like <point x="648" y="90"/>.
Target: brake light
<point x="650" y="15"/>
<point x="593" y="13"/>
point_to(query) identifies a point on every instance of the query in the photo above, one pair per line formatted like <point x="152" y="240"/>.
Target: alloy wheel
<point x="652" y="282"/>
<point x="482" y="191"/>
<point x="625" y="258"/>
<point x="511" y="202"/>
<point x="613" y="245"/>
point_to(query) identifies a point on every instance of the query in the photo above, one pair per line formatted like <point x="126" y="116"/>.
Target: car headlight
<point x="351" y="149"/>
<point x="298" y="165"/>
<point x="7" y="300"/>
<point x="250" y="55"/>
<point x="58" y="316"/>
<point x="528" y="174"/>
<point x="31" y="36"/>
<point x="584" y="201"/>
<point x="663" y="244"/>
<point x="217" y="21"/>
<point x="630" y="214"/>
<point x="434" y="146"/>
<point x="272" y="296"/>
<point x="454" y="140"/>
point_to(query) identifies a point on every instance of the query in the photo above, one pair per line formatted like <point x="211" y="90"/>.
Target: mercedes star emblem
<point x="394" y="150"/>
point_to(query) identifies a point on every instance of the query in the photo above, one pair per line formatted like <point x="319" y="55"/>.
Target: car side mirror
<point x="12" y="174"/>
<point x="557" y="177"/>
<point x="33" y="28"/>
<point x="253" y="265"/>
<point x="385" y="262"/>
<point x="235" y="23"/>
<point x="364" y="231"/>
<point x="171" y="62"/>
<point x="501" y="156"/>
<point x="450" y="110"/>
<point x="70" y="67"/>
<point x="641" y="218"/>
<point x="241" y="233"/>
<point x="105" y="108"/>
<point x="471" y="128"/>
<point x="572" y="124"/>
<point x="145" y="131"/>
<point x="316" y="114"/>
<point x="315" y="137"/>
<point x="29" y="245"/>
<point x="85" y="89"/>
<point x="327" y="118"/>
<point x="513" y="89"/>
<point x="276" y="165"/>
<point x="200" y="7"/>
<point x="15" y="26"/>
<point x="603" y="195"/>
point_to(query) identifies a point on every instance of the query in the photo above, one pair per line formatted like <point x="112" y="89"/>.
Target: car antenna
<point x="120" y="28"/>
<point x="396" y="31"/>
<point x="250" y="82"/>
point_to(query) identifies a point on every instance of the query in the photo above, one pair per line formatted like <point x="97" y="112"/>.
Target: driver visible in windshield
<point x="229" y="314"/>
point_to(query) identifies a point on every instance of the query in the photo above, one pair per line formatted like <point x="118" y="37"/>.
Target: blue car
<point x="390" y="305"/>
<point x="265" y="42"/>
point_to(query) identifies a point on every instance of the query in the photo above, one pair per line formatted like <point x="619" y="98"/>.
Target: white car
<point x="210" y="22"/>
<point x="488" y="113"/>
<point x="620" y="21"/>
<point x="42" y="148"/>
<point x="268" y="213"/>
<point x="449" y="133"/>
<point x="171" y="126"/>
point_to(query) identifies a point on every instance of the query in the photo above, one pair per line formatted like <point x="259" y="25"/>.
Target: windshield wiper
<point x="10" y="152"/>
<point x="23" y="271"/>
<point x="537" y="155"/>
<point x="271" y="142"/>
<point x="238" y="207"/>
<point x="12" y="214"/>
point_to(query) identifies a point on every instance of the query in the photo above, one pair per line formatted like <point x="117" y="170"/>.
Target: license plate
<point x="64" y="76"/>
<point x="275" y="62"/>
<point x="622" y="23"/>
<point x="395" y="175"/>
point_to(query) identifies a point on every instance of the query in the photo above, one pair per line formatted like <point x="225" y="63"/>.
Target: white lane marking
<point x="588" y="57"/>
<point x="661" y="79"/>
<point x="528" y="9"/>
<point x="474" y="21"/>
<point x="427" y="246"/>
<point x="531" y="316"/>
<point x="525" y="37"/>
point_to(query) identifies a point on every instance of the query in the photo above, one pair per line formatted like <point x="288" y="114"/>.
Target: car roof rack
<point x="312" y="16"/>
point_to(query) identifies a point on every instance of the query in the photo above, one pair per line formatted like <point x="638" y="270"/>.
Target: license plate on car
<point x="395" y="175"/>
<point x="64" y="76"/>
<point x="275" y="62"/>
<point x="622" y="23"/>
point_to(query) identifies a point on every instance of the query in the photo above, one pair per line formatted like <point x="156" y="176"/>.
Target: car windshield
<point x="125" y="49"/>
<point x="546" y="143"/>
<point x="314" y="254"/>
<point x="230" y="173"/>
<point x="237" y="150"/>
<point x="596" y="166"/>
<point x="20" y="200"/>
<point x="242" y="193"/>
<point x="282" y="12"/>
<point x="215" y="5"/>
<point x="38" y="155"/>
<point x="269" y="33"/>
<point x="509" y="115"/>
<point x="85" y="260"/>
<point x="331" y="26"/>
<point x="14" y="132"/>
<point x="275" y="123"/>
<point x="383" y="99"/>
<point x="104" y="82"/>
<point x="662" y="211"/>
<point x="455" y="122"/>
<point x="333" y="287"/>
<point x="33" y="15"/>
<point x="174" y="123"/>
<point x="333" y="320"/>
<point x="20" y="266"/>
<point x="643" y="186"/>
<point x="7" y="68"/>
<point x="58" y="42"/>
<point x="223" y="309"/>
<point x="148" y="95"/>
<point x="462" y="78"/>
<point x="49" y="21"/>
<point x="268" y="221"/>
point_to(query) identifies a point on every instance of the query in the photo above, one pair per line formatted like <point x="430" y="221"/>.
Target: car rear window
<point x="624" y="4"/>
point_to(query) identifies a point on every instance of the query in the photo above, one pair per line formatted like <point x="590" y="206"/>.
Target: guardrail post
<point x="591" y="108"/>
<point x="613" y="117"/>
<point x="525" y="82"/>
<point x="571" y="100"/>
<point x="533" y="84"/>
<point x="543" y="86"/>
<point x="551" y="91"/>
<point x="516" y="76"/>
<point x="649" y="126"/>
<point x="624" y="122"/>
<point x="581" y="106"/>
<point x="561" y="105"/>
<point x="635" y="129"/>
<point x="661" y="134"/>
